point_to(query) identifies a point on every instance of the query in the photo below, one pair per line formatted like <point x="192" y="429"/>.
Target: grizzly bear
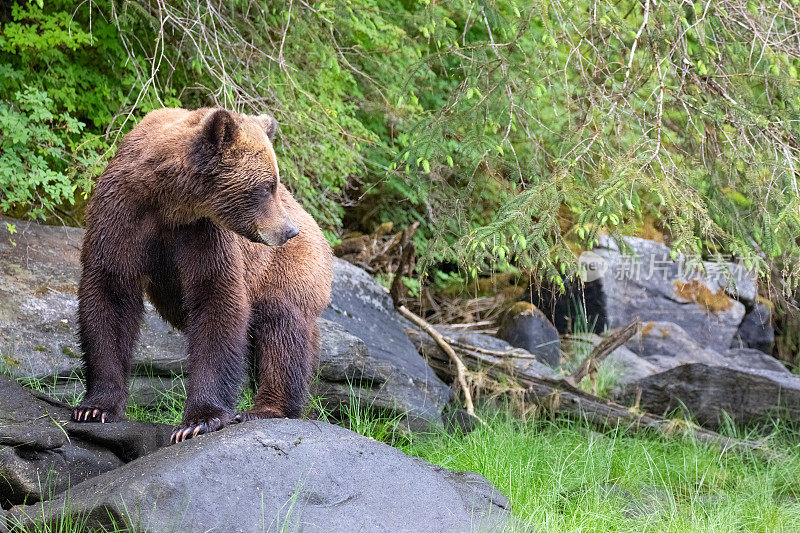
<point x="191" y="211"/>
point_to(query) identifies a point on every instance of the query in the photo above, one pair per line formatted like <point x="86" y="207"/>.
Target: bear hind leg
<point x="285" y="348"/>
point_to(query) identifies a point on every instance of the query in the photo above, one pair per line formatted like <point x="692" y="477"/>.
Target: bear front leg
<point x="218" y="312"/>
<point x="110" y="309"/>
<point x="285" y="346"/>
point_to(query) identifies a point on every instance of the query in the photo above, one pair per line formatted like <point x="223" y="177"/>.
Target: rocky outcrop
<point x="39" y="273"/>
<point x="350" y="373"/>
<point x="751" y="359"/>
<point x="707" y="392"/>
<point x="652" y="287"/>
<point x="366" y="357"/>
<point x="667" y="345"/>
<point x="292" y="475"/>
<point x="397" y="376"/>
<point x="42" y="452"/>
<point x="645" y="282"/>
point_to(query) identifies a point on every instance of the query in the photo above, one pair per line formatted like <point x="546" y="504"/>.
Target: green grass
<point x="608" y="375"/>
<point x="565" y="475"/>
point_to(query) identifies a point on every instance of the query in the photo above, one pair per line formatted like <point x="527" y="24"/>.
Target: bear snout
<point x="291" y="231"/>
<point x="278" y="236"/>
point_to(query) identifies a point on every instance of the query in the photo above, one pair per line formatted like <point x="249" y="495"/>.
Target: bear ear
<point x="270" y="125"/>
<point x="220" y="128"/>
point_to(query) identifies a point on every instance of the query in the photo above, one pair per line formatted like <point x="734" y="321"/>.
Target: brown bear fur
<point x="191" y="211"/>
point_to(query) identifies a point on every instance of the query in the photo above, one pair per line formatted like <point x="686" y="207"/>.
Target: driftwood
<point x="555" y="395"/>
<point x="461" y="369"/>
<point x="603" y="350"/>
<point x="473" y="325"/>
<point x="559" y="396"/>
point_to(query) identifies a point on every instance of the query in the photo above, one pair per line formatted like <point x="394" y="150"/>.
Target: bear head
<point x="235" y="162"/>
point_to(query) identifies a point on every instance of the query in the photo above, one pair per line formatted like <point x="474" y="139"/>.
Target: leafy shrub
<point x="514" y="132"/>
<point x="63" y="80"/>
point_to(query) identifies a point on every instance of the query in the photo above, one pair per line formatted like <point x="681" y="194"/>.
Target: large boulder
<point x="747" y="396"/>
<point x="397" y="376"/>
<point x="42" y="452"/>
<point x="270" y="475"/>
<point x="39" y="273"/>
<point x="752" y="359"/>
<point x="365" y="358"/>
<point x="643" y="281"/>
<point x="524" y="326"/>
<point x="349" y="374"/>
<point x="667" y="345"/>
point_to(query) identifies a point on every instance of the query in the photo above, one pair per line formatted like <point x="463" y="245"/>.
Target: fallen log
<point x="559" y="396"/>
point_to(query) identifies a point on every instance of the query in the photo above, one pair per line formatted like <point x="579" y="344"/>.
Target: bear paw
<point x="192" y="428"/>
<point x="88" y="413"/>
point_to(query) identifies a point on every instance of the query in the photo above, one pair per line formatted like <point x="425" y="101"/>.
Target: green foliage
<point x="31" y="165"/>
<point x="60" y="87"/>
<point x="514" y="132"/>
<point x="610" y="112"/>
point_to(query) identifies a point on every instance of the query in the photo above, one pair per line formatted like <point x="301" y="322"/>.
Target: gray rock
<point x="524" y="326"/>
<point x="524" y="366"/>
<point x="651" y="286"/>
<point x="364" y="309"/>
<point x="271" y="475"/>
<point x="709" y="391"/>
<point x="667" y="345"/>
<point x="349" y="373"/>
<point x="30" y="476"/>
<point x="161" y="350"/>
<point x="38" y="308"/>
<point x="665" y="362"/>
<point x="128" y="440"/>
<point x="25" y="420"/>
<point x="756" y="330"/>
<point x="746" y="358"/>
<point x="42" y="452"/>
<point x="734" y="279"/>
<point x="38" y="334"/>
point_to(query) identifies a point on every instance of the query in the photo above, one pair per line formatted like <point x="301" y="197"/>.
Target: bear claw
<point x="91" y="414"/>
<point x="190" y="430"/>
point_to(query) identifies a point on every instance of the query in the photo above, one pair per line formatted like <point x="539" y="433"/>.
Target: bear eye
<point x="264" y="190"/>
